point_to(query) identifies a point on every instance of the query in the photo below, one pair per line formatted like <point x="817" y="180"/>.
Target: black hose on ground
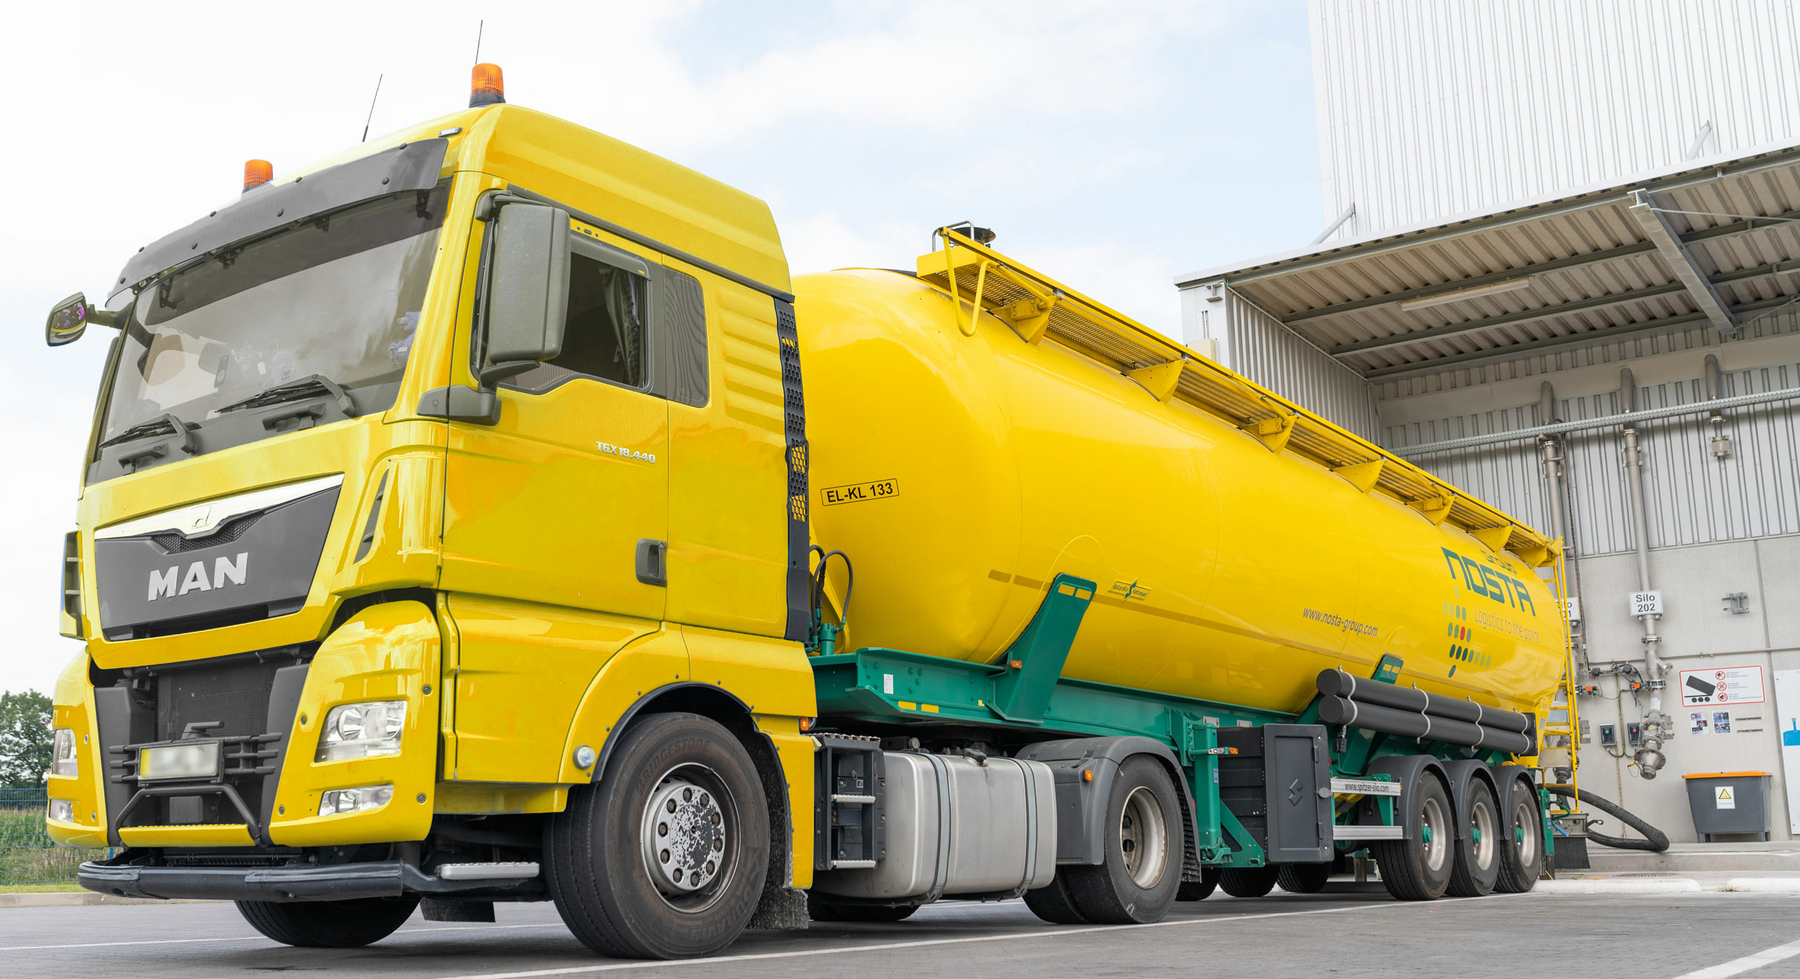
<point x="1654" y="839"/>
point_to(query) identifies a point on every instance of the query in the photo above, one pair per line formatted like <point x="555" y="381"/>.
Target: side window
<point x="683" y="330"/>
<point x="603" y="335"/>
<point x="606" y="327"/>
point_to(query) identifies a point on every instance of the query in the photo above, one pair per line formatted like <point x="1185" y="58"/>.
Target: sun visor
<point x="409" y="166"/>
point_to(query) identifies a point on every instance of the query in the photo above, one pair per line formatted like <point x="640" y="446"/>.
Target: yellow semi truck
<point x="484" y="515"/>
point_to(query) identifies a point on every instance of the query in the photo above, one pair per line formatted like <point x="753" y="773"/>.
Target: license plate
<point x="199" y="760"/>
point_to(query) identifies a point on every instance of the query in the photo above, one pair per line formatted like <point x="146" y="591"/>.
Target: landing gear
<point x="669" y="861"/>
<point x="329" y="924"/>
<point x="1419" y="869"/>
<point x="1478" y="852"/>
<point x="1142" y="868"/>
<point x="1521" y="842"/>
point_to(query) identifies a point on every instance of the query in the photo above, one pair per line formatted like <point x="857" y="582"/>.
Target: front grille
<point x="235" y="696"/>
<point x="228" y="531"/>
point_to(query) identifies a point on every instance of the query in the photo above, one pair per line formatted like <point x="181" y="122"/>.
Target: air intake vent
<point x="228" y="531"/>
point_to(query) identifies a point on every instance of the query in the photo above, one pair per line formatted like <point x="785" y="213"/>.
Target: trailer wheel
<point x="1522" y="848"/>
<point x="1199" y="890"/>
<point x="1053" y="902"/>
<point x="1303" y="878"/>
<point x="1478" y="853"/>
<point x="329" y="924"/>
<point x="666" y="858"/>
<point x="826" y="911"/>
<point x="1419" y="869"/>
<point x="1247" y="881"/>
<point x="1142" y="868"/>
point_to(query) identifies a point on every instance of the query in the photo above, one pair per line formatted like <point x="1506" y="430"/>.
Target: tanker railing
<point x="1036" y="306"/>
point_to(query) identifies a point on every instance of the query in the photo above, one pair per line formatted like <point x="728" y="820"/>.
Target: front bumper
<point x="341" y="882"/>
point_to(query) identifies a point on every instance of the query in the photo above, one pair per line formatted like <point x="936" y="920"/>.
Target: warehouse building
<point x="1560" y="268"/>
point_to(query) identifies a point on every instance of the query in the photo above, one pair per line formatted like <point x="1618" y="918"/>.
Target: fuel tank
<point x="961" y="473"/>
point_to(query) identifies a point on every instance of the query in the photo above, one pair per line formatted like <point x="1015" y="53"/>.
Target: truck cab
<point x="413" y="477"/>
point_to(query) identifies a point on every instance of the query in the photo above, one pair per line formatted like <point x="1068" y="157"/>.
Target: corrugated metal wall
<point x="1693" y="498"/>
<point x="1257" y="346"/>
<point x="1433" y="108"/>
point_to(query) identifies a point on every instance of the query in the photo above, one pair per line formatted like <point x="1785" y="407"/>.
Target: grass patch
<point x="53" y="888"/>
<point x="29" y="860"/>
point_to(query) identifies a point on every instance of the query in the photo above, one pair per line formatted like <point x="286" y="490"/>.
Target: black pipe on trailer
<point x="1337" y="683"/>
<point x="1391" y="720"/>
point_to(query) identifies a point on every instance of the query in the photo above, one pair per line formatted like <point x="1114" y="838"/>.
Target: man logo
<point x="232" y="570"/>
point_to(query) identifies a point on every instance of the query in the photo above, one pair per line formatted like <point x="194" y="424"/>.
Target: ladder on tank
<point x="1561" y="728"/>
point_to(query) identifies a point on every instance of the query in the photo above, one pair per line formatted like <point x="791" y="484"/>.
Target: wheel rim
<point x="1524" y="839"/>
<point x="687" y="835"/>
<point x="1142" y="836"/>
<point x="1482" y="831"/>
<point x="1434" y="833"/>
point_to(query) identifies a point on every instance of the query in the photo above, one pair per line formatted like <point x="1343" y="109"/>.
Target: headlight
<point x="62" y="753"/>
<point x="362" y="730"/>
<point x="354" y="800"/>
<point x="62" y="810"/>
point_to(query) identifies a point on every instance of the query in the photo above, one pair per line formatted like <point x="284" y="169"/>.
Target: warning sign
<point x="1723" y="686"/>
<point x="1723" y="798"/>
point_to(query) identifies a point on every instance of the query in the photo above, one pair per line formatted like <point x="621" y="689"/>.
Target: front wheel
<point x="329" y="924"/>
<point x="667" y="859"/>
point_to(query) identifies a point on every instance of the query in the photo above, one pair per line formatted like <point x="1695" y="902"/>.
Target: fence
<point x="27" y="856"/>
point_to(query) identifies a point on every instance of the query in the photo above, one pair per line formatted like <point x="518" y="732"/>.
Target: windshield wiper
<point x="161" y="425"/>
<point x="306" y="387"/>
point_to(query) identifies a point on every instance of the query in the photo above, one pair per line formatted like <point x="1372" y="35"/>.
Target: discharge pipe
<point x="1376" y="706"/>
<point x="1649" y="757"/>
<point x="1655" y="840"/>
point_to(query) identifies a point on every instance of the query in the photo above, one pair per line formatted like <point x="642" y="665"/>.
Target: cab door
<point x="565" y="500"/>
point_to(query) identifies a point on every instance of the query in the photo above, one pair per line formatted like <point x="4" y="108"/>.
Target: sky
<point x="1111" y="144"/>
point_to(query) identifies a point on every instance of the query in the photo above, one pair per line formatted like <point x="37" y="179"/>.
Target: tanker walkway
<point x="1349" y="931"/>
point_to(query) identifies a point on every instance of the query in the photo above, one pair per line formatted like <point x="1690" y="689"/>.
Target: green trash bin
<point x="1729" y="802"/>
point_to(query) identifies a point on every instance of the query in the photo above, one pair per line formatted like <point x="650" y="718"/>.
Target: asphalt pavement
<point x="1350" y="931"/>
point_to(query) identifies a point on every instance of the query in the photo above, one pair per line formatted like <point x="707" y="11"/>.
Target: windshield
<point x="337" y="297"/>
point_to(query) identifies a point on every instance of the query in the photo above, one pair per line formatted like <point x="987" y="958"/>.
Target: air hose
<point x="1654" y="840"/>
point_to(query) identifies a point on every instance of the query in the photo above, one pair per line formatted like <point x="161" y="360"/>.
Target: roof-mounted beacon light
<point x="257" y="173"/>
<point x="486" y="86"/>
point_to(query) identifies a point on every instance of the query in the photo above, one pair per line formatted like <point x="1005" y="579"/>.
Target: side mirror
<point x="528" y="289"/>
<point x="70" y="319"/>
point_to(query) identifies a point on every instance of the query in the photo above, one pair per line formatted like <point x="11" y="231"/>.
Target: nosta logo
<point x="172" y="582"/>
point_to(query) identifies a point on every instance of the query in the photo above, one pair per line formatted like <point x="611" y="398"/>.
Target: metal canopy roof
<point x="1718" y="243"/>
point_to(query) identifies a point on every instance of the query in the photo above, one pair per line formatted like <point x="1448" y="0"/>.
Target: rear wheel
<point x="1419" y="869"/>
<point x="668" y="861"/>
<point x="1478" y="852"/>
<point x="1303" y="878"/>
<point x="329" y="924"/>
<point x="1142" y="868"/>
<point x="1522" y="841"/>
<point x="1247" y="881"/>
<point x="1199" y="890"/>
<point x="1053" y="902"/>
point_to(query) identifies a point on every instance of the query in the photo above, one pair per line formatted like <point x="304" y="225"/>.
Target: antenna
<point x="371" y="118"/>
<point x="479" y="26"/>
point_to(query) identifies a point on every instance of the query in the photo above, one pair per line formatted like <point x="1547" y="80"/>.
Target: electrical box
<point x="1609" y="734"/>
<point x="1634" y="734"/>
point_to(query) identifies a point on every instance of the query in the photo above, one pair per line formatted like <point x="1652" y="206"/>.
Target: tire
<point x="1419" y="869"/>
<point x="1143" y="848"/>
<point x="1247" y="881"/>
<point x="826" y="911"/>
<point x="1199" y="890"/>
<point x="1053" y="903"/>
<point x="1302" y="878"/>
<point x="625" y="897"/>
<point x="1522" y="855"/>
<point x="1478" y="851"/>
<point x="329" y="924"/>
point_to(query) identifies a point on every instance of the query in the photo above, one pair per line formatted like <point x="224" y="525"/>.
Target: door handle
<point x="652" y="562"/>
